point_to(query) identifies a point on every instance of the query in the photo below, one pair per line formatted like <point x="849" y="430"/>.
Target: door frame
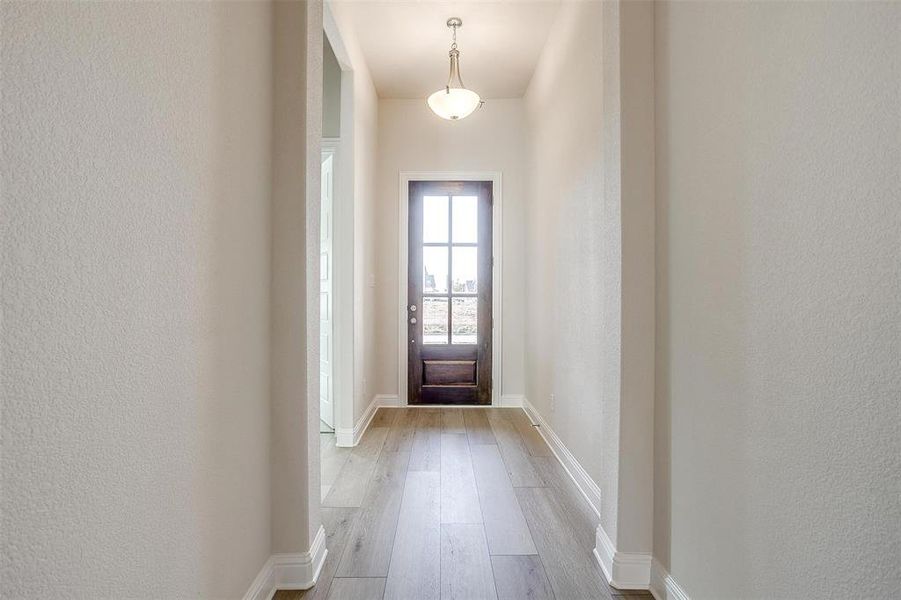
<point x="495" y="177"/>
<point x="342" y="270"/>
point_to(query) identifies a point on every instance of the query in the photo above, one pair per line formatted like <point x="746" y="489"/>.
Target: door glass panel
<point x="466" y="269"/>
<point x="434" y="320"/>
<point x="434" y="219"/>
<point x="434" y="269"/>
<point x="465" y="320"/>
<point x="466" y="219"/>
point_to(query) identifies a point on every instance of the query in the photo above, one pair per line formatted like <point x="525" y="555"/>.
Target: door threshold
<point x="446" y="406"/>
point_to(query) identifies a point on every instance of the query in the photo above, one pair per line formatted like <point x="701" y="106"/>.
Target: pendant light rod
<point x="454" y="71"/>
<point x="454" y="54"/>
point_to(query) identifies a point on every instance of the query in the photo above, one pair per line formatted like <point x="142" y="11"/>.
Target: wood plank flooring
<point x="451" y="503"/>
<point x="518" y="577"/>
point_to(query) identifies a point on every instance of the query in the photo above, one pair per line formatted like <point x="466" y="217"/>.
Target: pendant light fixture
<point x="454" y="101"/>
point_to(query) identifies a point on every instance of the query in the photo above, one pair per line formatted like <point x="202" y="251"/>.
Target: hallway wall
<point x="358" y="168"/>
<point x="778" y="463"/>
<point x="569" y="250"/>
<point x="135" y="267"/>
<point x="294" y="283"/>
<point x="412" y="138"/>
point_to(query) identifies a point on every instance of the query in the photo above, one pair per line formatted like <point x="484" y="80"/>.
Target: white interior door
<point x="326" y="383"/>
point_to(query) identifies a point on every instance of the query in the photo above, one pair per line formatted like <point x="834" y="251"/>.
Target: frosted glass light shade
<point x="454" y="103"/>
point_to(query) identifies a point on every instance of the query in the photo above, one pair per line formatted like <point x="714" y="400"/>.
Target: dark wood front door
<point x="449" y="293"/>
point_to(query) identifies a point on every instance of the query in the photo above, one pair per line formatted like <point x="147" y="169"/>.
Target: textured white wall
<point x="412" y="138"/>
<point x="357" y="170"/>
<point x="297" y="126"/>
<point x="366" y="236"/>
<point x="590" y="300"/>
<point x="135" y="270"/>
<point x="779" y="277"/>
<point x="570" y="250"/>
<point x="629" y="309"/>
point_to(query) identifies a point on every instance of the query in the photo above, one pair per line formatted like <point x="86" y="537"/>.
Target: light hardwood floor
<point x="454" y="504"/>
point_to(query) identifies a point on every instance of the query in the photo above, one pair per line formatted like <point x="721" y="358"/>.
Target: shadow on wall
<point x="234" y="427"/>
<point x="685" y="400"/>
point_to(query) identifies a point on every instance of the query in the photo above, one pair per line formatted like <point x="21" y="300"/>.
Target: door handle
<point x="413" y="320"/>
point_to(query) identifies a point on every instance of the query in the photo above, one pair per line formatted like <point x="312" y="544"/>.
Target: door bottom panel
<point x="450" y="394"/>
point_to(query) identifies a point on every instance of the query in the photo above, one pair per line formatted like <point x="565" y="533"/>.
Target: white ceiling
<point x="406" y="43"/>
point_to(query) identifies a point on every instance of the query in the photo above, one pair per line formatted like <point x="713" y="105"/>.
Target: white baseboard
<point x="289" y="571"/>
<point x="580" y="476"/>
<point x="663" y="586"/>
<point x="623" y="570"/>
<point x="511" y="401"/>
<point x="387" y="400"/>
<point x="346" y="437"/>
